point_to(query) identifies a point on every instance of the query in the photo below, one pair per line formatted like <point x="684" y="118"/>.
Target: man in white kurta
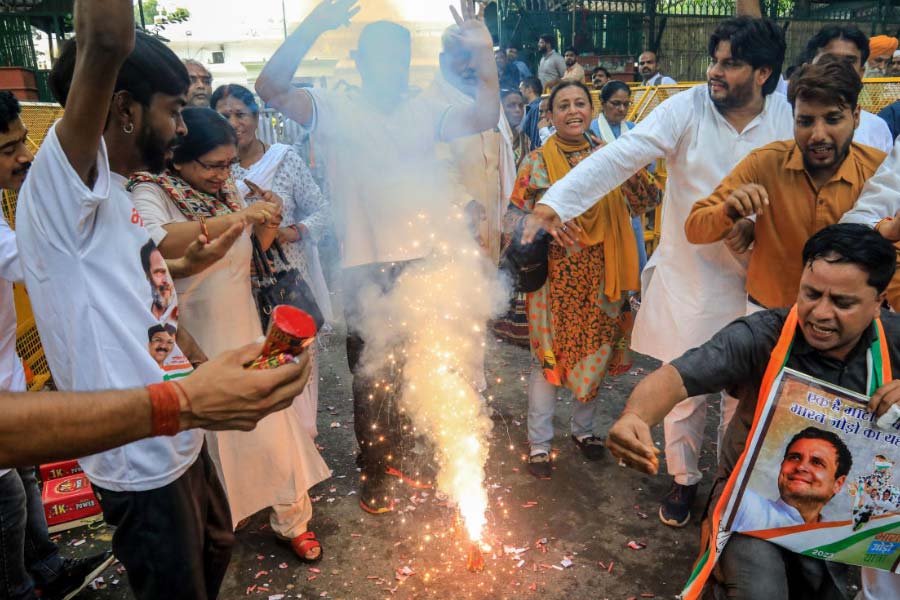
<point x="688" y="291"/>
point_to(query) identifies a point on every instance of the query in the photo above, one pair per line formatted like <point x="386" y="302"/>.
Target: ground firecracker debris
<point x="636" y="545"/>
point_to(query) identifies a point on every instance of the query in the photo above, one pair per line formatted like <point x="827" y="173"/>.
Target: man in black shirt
<point x="847" y="269"/>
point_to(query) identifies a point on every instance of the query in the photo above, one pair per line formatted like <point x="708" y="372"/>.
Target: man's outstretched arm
<point x="219" y="395"/>
<point x="274" y="82"/>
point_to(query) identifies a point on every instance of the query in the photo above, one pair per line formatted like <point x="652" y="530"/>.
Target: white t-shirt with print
<point x="80" y="249"/>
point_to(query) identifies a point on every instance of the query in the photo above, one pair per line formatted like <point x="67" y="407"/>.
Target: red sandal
<point x="305" y="542"/>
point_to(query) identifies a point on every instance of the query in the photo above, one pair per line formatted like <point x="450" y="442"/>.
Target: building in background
<point x="235" y="39"/>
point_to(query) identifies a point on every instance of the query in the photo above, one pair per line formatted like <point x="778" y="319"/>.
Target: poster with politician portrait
<point x="819" y="478"/>
<point x="162" y="288"/>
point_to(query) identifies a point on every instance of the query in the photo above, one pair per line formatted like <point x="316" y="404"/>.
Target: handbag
<point x="281" y="287"/>
<point x="527" y="264"/>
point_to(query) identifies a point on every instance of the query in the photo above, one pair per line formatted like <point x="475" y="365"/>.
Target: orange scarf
<point x="608" y="222"/>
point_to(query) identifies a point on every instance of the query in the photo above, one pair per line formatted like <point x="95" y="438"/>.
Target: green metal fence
<point x="679" y="29"/>
<point x="16" y="44"/>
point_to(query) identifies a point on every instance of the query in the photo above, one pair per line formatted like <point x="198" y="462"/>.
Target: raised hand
<point x="332" y="14"/>
<point x="473" y="35"/>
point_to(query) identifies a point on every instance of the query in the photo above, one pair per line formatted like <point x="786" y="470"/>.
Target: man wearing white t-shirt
<point x="380" y="144"/>
<point x="689" y="291"/>
<point x="80" y="241"/>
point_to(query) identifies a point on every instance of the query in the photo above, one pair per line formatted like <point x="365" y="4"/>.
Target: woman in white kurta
<point x="306" y="214"/>
<point x="276" y="463"/>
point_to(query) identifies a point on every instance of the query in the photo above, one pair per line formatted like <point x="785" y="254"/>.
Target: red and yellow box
<point x="69" y="499"/>
<point x="58" y="470"/>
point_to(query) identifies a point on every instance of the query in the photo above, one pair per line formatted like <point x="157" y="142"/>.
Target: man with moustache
<point x="795" y="187"/>
<point x="832" y="334"/>
<point x="80" y="240"/>
<point x="599" y="78"/>
<point x="552" y="66"/>
<point x="30" y="563"/>
<point x="200" y="89"/>
<point x="648" y="67"/>
<point x="813" y="470"/>
<point x="161" y="343"/>
<point x="851" y="44"/>
<point x="574" y="71"/>
<point x="688" y="292"/>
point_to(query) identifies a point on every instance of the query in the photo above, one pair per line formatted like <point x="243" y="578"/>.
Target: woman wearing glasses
<point x="276" y="463"/>
<point x="615" y="102"/>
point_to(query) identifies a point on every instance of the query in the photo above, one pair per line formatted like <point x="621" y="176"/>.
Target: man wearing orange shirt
<point x="794" y="187"/>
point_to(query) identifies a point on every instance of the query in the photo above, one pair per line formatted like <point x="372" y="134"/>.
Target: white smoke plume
<point x="436" y="314"/>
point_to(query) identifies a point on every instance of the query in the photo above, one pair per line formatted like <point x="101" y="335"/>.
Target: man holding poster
<point x="786" y="363"/>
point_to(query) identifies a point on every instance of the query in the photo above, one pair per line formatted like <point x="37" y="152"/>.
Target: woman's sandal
<point x="305" y="542"/>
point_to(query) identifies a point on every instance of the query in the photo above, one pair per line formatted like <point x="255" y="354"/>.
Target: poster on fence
<point x="820" y="478"/>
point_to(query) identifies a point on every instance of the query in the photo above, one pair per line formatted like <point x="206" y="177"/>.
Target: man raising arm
<point x="274" y="83"/>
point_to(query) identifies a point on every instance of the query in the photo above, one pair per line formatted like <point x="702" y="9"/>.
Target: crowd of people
<point x="147" y="233"/>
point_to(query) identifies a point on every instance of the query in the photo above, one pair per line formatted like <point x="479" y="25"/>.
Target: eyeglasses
<point x="204" y="79"/>
<point x="619" y="103"/>
<point x="219" y="167"/>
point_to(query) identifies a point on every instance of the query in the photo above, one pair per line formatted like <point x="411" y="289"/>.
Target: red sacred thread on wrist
<point x="165" y="407"/>
<point x="882" y="222"/>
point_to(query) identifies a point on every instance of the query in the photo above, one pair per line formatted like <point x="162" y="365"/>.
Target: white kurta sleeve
<point x="10" y="268"/>
<point x="653" y="138"/>
<point x="880" y="197"/>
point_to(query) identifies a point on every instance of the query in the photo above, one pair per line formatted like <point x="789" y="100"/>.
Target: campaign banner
<point x="819" y="478"/>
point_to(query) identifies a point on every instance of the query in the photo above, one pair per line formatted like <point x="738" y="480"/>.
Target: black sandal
<point x="540" y="465"/>
<point x="591" y="447"/>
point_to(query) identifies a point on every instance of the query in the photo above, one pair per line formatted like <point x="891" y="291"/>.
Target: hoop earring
<point x="128" y="129"/>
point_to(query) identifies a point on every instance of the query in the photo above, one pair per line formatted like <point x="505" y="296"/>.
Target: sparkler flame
<point x="436" y="312"/>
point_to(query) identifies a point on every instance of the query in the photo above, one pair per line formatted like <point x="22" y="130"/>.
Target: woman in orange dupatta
<point x="579" y="321"/>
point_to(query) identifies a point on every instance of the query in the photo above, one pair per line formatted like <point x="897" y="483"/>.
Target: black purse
<point x="527" y="264"/>
<point x="281" y="287"/>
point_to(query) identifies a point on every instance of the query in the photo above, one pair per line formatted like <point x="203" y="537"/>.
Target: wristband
<point x="165" y="408"/>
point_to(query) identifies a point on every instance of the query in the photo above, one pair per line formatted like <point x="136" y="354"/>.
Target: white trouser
<point x="290" y="520"/>
<point x="684" y="427"/>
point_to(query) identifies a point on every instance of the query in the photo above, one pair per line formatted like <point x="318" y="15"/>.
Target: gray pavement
<point x="588" y="512"/>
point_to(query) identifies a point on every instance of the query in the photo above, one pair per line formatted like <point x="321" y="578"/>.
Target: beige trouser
<point x="290" y="520"/>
